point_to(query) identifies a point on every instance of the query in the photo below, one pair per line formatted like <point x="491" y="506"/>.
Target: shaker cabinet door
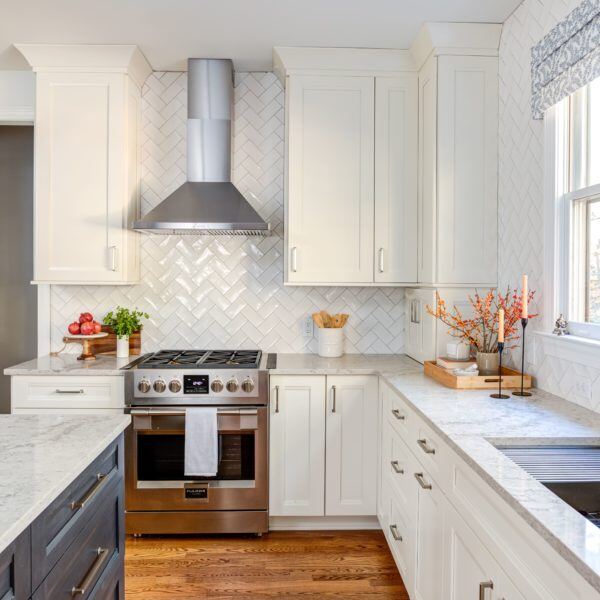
<point x="297" y="446"/>
<point x="330" y="179"/>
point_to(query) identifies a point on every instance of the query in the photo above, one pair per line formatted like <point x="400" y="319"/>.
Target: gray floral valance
<point x="567" y="58"/>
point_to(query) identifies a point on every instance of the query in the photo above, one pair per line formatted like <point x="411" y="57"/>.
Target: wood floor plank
<point x="305" y="565"/>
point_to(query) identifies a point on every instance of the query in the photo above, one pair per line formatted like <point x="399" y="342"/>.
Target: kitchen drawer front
<point x="111" y="584"/>
<point x="54" y="531"/>
<point x="15" y="569"/>
<point x="402" y="418"/>
<point x="91" y="553"/>
<point x="400" y="541"/>
<point x="67" y="392"/>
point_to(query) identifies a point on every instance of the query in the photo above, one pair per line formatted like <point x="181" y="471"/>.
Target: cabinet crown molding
<point x="118" y="58"/>
<point x="478" y="39"/>
<point x="349" y="61"/>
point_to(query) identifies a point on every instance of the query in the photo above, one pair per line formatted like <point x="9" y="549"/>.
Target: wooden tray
<point x="510" y="379"/>
<point x="108" y="344"/>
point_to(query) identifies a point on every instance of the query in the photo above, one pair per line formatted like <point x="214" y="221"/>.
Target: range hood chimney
<point x="208" y="203"/>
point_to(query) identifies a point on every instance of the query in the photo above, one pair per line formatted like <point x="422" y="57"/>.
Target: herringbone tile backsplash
<point x="227" y="292"/>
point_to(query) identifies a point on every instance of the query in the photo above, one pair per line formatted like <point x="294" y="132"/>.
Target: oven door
<point x="155" y="477"/>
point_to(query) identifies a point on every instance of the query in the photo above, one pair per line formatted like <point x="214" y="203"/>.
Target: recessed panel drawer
<point x="79" y="572"/>
<point x="15" y="568"/>
<point x="53" y="532"/>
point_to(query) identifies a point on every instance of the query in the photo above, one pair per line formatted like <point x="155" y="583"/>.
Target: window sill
<point x="585" y="351"/>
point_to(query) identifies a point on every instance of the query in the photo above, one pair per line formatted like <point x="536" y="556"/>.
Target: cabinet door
<point x="467" y="165"/>
<point x="428" y="580"/>
<point x="80" y="189"/>
<point x="396" y="179"/>
<point x="15" y="568"/>
<point x="351" y="441"/>
<point x="297" y="446"/>
<point x="329" y="212"/>
<point x="421" y="327"/>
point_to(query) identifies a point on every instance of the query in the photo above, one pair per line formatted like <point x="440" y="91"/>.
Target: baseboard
<point x="322" y="523"/>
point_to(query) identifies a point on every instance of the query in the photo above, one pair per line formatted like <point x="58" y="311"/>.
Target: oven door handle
<point x="173" y="412"/>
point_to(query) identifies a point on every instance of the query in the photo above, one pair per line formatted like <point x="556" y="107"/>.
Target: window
<point x="576" y="122"/>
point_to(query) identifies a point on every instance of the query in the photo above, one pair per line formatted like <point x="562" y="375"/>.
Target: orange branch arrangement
<point x="481" y="329"/>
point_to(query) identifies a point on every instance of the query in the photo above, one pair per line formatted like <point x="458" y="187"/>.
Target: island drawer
<point x="82" y="571"/>
<point x="15" y="568"/>
<point x="53" y="532"/>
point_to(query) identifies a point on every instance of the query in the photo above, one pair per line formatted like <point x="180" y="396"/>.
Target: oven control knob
<point x="160" y="386"/>
<point x="232" y="385"/>
<point x="144" y="386"/>
<point x="217" y="385"/>
<point x="175" y="386"/>
<point x="248" y="385"/>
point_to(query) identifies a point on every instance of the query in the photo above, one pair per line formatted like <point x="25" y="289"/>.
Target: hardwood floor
<point x="345" y="565"/>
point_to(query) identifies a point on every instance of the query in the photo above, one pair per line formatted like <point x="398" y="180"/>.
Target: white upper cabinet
<point x="351" y="166"/>
<point x="395" y="181"/>
<point x="88" y="104"/>
<point x="330" y="179"/>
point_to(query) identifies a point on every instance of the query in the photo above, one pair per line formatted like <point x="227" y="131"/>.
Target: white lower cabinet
<point x="297" y="446"/>
<point x="323" y="445"/>
<point x="351" y="442"/>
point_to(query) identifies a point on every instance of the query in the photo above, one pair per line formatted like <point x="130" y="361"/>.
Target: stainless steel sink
<point x="570" y="472"/>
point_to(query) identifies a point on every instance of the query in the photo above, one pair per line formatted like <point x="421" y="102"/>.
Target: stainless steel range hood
<point x="208" y="203"/>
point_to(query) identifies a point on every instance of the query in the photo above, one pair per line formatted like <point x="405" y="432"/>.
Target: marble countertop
<point x="67" y="364"/>
<point x="40" y="456"/>
<point x="472" y="423"/>
<point x="349" y="364"/>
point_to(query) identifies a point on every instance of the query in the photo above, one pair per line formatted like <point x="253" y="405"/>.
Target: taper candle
<point x="501" y="326"/>
<point x="524" y="298"/>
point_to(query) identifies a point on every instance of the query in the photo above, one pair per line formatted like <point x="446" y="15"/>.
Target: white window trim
<point x="584" y="343"/>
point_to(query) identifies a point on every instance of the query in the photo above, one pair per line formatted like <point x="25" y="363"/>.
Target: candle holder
<point x="521" y="392"/>
<point x="500" y="394"/>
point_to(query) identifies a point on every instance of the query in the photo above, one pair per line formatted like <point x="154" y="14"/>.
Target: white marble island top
<point x="67" y="364"/>
<point x="349" y="364"/>
<point x="472" y="424"/>
<point x="40" y="455"/>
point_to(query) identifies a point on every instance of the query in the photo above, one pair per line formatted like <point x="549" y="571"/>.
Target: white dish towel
<point x="201" y="442"/>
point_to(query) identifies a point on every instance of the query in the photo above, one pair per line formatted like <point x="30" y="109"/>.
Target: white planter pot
<point x="123" y="346"/>
<point x="331" y="342"/>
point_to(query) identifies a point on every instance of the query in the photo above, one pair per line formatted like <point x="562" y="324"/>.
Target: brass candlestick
<point x="521" y="392"/>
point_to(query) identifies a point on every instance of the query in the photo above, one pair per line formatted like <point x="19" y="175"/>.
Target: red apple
<point x="86" y="317"/>
<point x="74" y="328"/>
<point x="97" y="327"/>
<point x="87" y="328"/>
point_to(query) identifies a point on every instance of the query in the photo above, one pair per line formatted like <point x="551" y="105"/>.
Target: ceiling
<point x="169" y="31"/>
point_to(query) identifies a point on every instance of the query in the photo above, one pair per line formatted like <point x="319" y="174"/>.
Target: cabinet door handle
<point x="398" y="414"/>
<point x="417" y="312"/>
<point x="425" y="446"/>
<point x="334" y="396"/>
<point x="395" y="533"/>
<point x="419" y="477"/>
<point x="101" y="480"/>
<point x="59" y="391"/>
<point x="396" y="466"/>
<point x="294" y="258"/>
<point x="82" y="588"/>
<point x="381" y="266"/>
<point x="483" y="586"/>
<point x="113" y="258"/>
<point x="276" y="398"/>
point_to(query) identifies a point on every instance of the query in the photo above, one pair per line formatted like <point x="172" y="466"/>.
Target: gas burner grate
<point x="216" y="359"/>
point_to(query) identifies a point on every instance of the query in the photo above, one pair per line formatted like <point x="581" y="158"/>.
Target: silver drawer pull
<point x="59" y="391"/>
<point x="395" y="533"/>
<point x="398" y="415"/>
<point x="425" y="446"/>
<point x="483" y="586"/>
<point x="101" y="479"/>
<point x="334" y="393"/>
<point x="276" y="398"/>
<point x="91" y="575"/>
<point x="396" y="466"/>
<point x="419" y="477"/>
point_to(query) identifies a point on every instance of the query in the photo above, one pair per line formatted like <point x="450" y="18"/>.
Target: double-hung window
<point x="575" y="189"/>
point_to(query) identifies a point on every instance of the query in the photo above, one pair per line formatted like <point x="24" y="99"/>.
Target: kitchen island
<point x="61" y="490"/>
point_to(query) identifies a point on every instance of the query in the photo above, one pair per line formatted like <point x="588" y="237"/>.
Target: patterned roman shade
<point x="567" y="58"/>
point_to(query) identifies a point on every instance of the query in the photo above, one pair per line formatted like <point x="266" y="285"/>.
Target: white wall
<point x="521" y="143"/>
<point x="17" y="96"/>
<point x="221" y="292"/>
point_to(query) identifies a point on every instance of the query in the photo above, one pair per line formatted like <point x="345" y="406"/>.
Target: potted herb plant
<point x="124" y="322"/>
<point x="480" y="330"/>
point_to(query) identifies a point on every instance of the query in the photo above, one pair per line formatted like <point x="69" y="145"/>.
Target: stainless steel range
<point x="159" y="497"/>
